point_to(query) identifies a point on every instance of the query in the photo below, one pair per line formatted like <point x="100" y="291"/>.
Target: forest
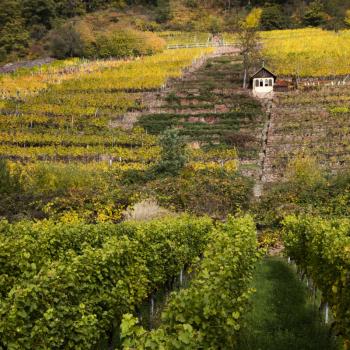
<point x="31" y="28"/>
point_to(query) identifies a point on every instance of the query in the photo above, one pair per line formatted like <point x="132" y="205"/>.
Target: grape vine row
<point x="208" y="314"/>
<point x="68" y="285"/>
<point x="321" y="248"/>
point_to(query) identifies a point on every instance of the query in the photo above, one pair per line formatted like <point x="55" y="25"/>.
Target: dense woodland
<point x="41" y="27"/>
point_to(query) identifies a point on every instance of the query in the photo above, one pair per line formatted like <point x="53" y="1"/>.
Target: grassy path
<point x="281" y="316"/>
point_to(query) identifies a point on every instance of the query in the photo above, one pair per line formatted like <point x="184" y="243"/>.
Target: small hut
<point x="263" y="81"/>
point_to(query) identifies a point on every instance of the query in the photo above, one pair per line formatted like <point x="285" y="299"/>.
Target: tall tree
<point x="315" y="14"/>
<point x="248" y="42"/>
<point x="9" y="10"/>
<point x="70" y="8"/>
<point x="39" y="12"/>
<point x="13" y="34"/>
<point x="273" y="17"/>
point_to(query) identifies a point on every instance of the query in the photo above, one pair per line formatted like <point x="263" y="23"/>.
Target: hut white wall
<point x="263" y="85"/>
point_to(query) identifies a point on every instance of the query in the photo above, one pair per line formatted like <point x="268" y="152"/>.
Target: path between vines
<point x="281" y="316"/>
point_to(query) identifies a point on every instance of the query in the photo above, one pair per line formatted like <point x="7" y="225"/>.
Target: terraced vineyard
<point x="316" y="123"/>
<point x="92" y="138"/>
<point x="66" y="113"/>
<point x="214" y="114"/>
<point x="307" y="52"/>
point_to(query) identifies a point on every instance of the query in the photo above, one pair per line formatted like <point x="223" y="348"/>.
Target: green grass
<point x="282" y="317"/>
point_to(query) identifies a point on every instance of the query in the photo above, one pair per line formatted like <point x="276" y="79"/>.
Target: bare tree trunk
<point x="245" y="78"/>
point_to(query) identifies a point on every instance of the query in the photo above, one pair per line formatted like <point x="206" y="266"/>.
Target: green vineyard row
<point x="208" y="314"/>
<point x="68" y="285"/>
<point x="321" y="248"/>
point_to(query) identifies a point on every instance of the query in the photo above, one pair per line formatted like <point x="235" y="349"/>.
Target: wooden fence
<point x="195" y="45"/>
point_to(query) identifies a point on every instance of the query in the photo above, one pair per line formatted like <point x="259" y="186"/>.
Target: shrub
<point x="66" y="41"/>
<point x="79" y="39"/>
<point x="308" y="189"/>
<point x="210" y="192"/>
<point x="128" y="42"/>
<point x="143" y="25"/>
<point x="304" y="172"/>
<point x="210" y="23"/>
<point x="347" y="18"/>
<point x="8" y="180"/>
<point x="173" y="153"/>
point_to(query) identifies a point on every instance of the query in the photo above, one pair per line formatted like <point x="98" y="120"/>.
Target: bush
<point x="66" y="41"/>
<point x="173" y="156"/>
<point x="210" y="23"/>
<point x="308" y="189"/>
<point x="347" y="18"/>
<point x="304" y="172"/>
<point x="127" y="43"/>
<point x="12" y="201"/>
<point x="78" y="39"/>
<point x="210" y="192"/>
<point x="147" y="26"/>
<point x="8" y="180"/>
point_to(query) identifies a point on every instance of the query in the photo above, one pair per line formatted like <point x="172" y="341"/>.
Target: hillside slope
<point x="314" y="123"/>
<point x="211" y="110"/>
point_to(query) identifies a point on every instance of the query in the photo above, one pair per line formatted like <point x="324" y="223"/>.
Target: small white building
<point x="263" y="81"/>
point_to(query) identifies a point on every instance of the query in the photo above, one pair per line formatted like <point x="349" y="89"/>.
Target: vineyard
<point x="68" y="285"/>
<point x="65" y="285"/>
<point x="214" y="115"/>
<point x="200" y="316"/>
<point x="304" y="53"/>
<point x="307" y="165"/>
<point x="66" y="111"/>
<point x="307" y="52"/>
<point x="320" y="248"/>
<point x="315" y="123"/>
<point x="174" y="38"/>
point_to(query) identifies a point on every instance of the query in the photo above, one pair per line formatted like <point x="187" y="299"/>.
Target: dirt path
<point x="12" y="67"/>
<point x="259" y="185"/>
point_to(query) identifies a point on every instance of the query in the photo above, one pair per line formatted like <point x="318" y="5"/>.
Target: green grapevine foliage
<point x="67" y="286"/>
<point x="207" y="315"/>
<point x="321" y="248"/>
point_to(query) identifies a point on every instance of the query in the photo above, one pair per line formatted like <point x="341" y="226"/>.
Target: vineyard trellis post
<point x="326" y="312"/>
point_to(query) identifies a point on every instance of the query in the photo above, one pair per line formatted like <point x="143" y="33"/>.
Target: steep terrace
<point x="65" y="111"/>
<point x="316" y="122"/>
<point x="212" y="111"/>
